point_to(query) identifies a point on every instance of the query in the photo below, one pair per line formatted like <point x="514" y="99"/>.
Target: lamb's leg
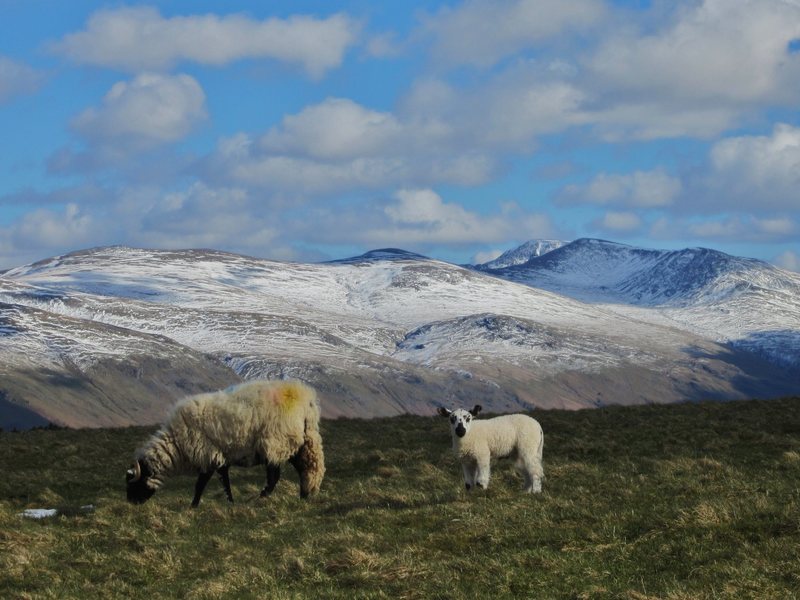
<point x="482" y="473"/>
<point x="202" y="480"/>
<point x="469" y="474"/>
<point x="226" y="482"/>
<point x="531" y="469"/>
<point x="273" y="475"/>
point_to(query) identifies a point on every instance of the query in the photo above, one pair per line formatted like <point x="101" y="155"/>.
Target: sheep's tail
<point x="311" y="453"/>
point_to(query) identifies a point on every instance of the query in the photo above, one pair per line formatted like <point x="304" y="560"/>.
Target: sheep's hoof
<point x="469" y="487"/>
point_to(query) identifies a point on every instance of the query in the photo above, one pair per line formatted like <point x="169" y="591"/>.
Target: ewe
<point x="475" y="443"/>
<point x="259" y="422"/>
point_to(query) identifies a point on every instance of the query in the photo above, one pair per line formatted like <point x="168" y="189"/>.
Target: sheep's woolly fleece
<point x="271" y="419"/>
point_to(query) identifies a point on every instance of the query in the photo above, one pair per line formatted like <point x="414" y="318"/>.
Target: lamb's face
<point x="460" y="422"/>
<point x="460" y="419"/>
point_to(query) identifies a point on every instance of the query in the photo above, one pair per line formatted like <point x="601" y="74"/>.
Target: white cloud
<point x="507" y="113"/>
<point x="422" y="216"/>
<point x="483" y="257"/>
<point x="643" y="189"/>
<point x="204" y="217"/>
<point x="47" y="229"/>
<point x="757" y="172"/>
<point x="339" y="145"/>
<point x="712" y="62"/>
<point x="482" y="32"/>
<point x="336" y="129"/>
<point x="718" y="50"/>
<point x="140" y="39"/>
<point x="788" y="260"/>
<point x="150" y="109"/>
<point x="618" y="222"/>
<point x="737" y="228"/>
<point x="17" y="78"/>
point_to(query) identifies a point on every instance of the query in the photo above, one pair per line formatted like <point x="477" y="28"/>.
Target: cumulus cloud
<point x="50" y="229"/>
<point x="482" y="32"/>
<point x="17" y="78"/>
<point x="736" y="228"/>
<point x="205" y="217"/>
<point x="618" y="222"/>
<point x="150" y="109"/>
<point x="711" y="63"/>
<point x="695" y="69"/>
<point x="422" y="216"/>
<point x="789" y="260"/>
<point x="339" y="145"/>
<point x="757" y="172"/>
<point x="141" y="39"/>
<point x="335" y="129"/>
<point x="486" y="256"/>
<point x="644" y="189"/>
<point x="714" y="51"/>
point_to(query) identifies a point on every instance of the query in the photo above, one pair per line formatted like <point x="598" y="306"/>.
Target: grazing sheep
<point x="258" y="422"/>
<point x="508" y="436"/>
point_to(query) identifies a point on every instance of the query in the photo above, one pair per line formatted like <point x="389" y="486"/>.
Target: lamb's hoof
<point x="468" y="486"/>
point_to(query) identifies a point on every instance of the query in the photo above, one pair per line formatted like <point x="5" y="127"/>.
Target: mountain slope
<point x="744" y="302"/>
<point x="384" y="333"/>
<point x="521" y="254"/>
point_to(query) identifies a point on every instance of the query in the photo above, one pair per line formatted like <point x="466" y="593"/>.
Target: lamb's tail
<point x="540" y="448"/>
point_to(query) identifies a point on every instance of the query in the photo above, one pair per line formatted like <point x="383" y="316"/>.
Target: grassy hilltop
<point x="681" y="501"/>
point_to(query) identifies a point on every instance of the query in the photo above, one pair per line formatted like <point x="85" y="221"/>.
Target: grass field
<point x="683" y="502"/>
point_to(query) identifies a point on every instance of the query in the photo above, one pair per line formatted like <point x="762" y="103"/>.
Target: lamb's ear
<point x="443" y="412"/>
<point x="475" y="410"/>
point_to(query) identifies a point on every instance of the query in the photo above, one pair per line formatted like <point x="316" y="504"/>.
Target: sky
<point x="308" y="131"/>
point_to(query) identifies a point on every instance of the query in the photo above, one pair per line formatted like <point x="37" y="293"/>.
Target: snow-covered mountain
<point x="521" y="254"/>
<point x="740" y="301"/>
<point x="111" y="336"/>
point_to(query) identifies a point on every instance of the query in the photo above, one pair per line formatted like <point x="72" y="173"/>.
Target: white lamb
<point x="475" y="443"/>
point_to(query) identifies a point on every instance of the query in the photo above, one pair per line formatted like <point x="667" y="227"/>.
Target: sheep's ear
<point x="475" y="410"/>
<point x="443" y="411"/>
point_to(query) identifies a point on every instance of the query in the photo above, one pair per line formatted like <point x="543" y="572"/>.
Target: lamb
<point x="258" y="422"/>
<point x="475" y="443"/>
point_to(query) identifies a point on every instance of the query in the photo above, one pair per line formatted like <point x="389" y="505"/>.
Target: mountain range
<point x="112" y="336"/>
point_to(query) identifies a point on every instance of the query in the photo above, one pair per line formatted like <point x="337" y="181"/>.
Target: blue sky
<point x="317" y="130"/>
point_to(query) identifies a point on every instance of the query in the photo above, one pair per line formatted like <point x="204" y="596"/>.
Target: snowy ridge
<point x="391" y="331"/>
<point x="521" y="254"/>
<point x="729" y="299"/>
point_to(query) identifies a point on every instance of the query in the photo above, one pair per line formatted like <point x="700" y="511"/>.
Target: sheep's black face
<point x="139" y="487"/>
<point x="460" y="419"/>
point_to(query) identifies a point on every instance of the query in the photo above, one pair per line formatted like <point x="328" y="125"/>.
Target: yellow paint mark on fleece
<point x="287" y="396"/>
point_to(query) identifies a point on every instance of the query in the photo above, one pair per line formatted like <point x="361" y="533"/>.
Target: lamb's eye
<point x="469" y="419"/>
<point x="453" y="419"/>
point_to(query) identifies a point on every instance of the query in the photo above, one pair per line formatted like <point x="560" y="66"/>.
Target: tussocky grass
<point x="680" y="502"/>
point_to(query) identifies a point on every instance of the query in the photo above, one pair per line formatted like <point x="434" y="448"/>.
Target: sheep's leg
<point x="300" y="466"/>
<point x="226" y="481"/>
<point x="273" y="475"/>
<point x="202" y="480"/>
<point x="482" y="473"/>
